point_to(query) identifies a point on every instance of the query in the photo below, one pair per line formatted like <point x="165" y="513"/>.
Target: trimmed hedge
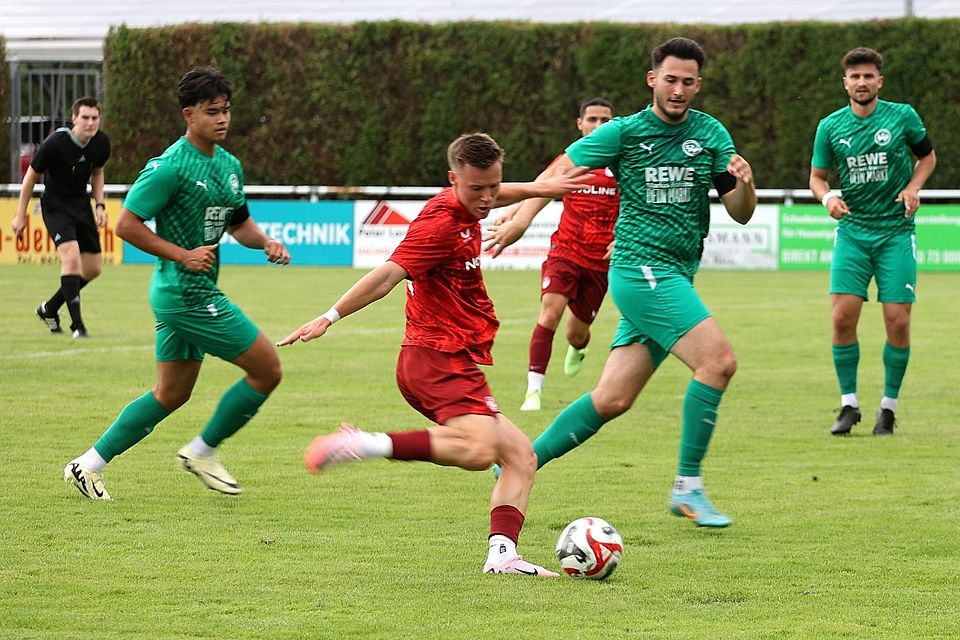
<point x="378" y="103"/>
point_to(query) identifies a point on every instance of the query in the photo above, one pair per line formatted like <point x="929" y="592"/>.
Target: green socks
<point x="699" y="419"/>
<point x="579" y="422"/>
<point x="846" y="357"/>
<point x="237" y="406"/>
<point x="895" y="366"/>
<point x="134" y="423"/>
<point x="575" y="425"/>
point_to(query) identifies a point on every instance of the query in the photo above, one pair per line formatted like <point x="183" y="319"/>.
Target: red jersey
<point x="586" y="224"/>
<point x="448" y="308"/>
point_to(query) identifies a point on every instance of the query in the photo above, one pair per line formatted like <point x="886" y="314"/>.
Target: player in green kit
<point x="193" y="192"/>
<point x="870" y="143"/>
<point x="665" y="158"/>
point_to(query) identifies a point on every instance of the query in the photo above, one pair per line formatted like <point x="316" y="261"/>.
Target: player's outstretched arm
<point x="557" y="181"/>
<point x="367" y="290"/>
<point x="250" y="235"/>
<point x="507" y="230"/>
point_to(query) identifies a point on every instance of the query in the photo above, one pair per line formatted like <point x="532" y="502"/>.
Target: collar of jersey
<point x="73" y="138"/>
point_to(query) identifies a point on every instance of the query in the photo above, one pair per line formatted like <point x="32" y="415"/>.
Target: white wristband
<point x="826" y="197"/>
<point x="331" y="314"/>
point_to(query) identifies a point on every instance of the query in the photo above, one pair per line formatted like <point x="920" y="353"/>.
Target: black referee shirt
<point x="67" y="164"/>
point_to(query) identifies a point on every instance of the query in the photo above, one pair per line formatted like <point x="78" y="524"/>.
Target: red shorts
<point x="584" y="287"/>
<point x="443" y="385"/>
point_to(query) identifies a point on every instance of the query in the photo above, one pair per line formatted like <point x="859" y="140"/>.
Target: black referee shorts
<point x="69" y="219"/>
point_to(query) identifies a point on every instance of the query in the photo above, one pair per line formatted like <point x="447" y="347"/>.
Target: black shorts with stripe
<point x="68" y="219"/>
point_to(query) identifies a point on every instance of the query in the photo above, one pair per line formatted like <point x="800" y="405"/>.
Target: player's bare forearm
<point x="97" y="183"/>
<point x="922" y="170"/>
<point x="501" y="235"/>
<point x="368" y="289"/>
<point x="556" y="181"/>
<point x="26" y="192"/>
<point x="130" y="228"/>
<point x="818" y="183"/>
<point x="741" y="202"/>
<point x="819" y="187"/>
<point x="250" y="235"/>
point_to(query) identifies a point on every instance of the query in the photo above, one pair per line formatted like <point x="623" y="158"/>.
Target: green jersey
<point x="664" y="172"/>
<point x="872" y="156"/>
<point x="192" y="197"/>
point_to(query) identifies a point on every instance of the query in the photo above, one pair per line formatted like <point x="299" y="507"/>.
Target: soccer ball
<point x="589" y="548"/>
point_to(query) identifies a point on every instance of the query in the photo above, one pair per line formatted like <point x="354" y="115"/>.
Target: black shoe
<point x="80" y="332"/>
<point x="848" y="417"/>
<point x="885" y="423"/>
<point x="51" y="320"/>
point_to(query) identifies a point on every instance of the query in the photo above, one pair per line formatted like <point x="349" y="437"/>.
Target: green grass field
<point x="833" y="537"/>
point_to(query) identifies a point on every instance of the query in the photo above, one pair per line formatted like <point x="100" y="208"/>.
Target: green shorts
<point x="890" y="258"/>
<point x="220" y="328"/>
<point x="658" y="306"/>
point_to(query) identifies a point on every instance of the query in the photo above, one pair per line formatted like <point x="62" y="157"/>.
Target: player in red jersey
<point x="575" y="272"/>
<point x="450" y="329"/>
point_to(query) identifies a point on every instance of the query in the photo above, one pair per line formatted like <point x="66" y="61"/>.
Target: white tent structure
<point x="55" y="49"/>
<point x="55" y="30"/>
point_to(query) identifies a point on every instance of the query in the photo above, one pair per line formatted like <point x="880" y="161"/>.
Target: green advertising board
<point x="806" y="238"/>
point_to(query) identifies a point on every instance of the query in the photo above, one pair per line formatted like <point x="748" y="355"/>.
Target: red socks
<point x="506" y="520"/>
<point x="541" y="346"/>
<point x="411" y="445"/>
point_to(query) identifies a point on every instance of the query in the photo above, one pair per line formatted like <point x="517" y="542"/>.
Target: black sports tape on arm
<point x="923" y="148"/>
<point x="724" y="183"/>
<point x="240" y="215"/>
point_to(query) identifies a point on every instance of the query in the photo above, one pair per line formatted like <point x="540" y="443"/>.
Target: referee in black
<point x="70" y="158"/>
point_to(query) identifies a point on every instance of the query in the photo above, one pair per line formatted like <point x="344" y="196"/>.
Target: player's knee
<point x="897" y="324"/>
<point x="577" y="336"/>
<point x="843" y="321"/>
<point x="520" y="457"/>
<point x="727" y="365"/>
<point x="479" y="455"/>
<point x="90" y="272"/>
<point x="272" y="375"/>
<point x="172" y="399"/>
<point x="610" y="405"/>
<point x="265" y="376"/>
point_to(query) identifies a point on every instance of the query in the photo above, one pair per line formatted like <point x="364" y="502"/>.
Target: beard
<point x="671" y="116"/>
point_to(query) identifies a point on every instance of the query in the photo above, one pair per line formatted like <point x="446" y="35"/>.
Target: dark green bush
<point x="377" y="103"/>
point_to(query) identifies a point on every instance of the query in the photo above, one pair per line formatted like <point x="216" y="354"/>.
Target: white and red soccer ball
<point x="589" y="548"/>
